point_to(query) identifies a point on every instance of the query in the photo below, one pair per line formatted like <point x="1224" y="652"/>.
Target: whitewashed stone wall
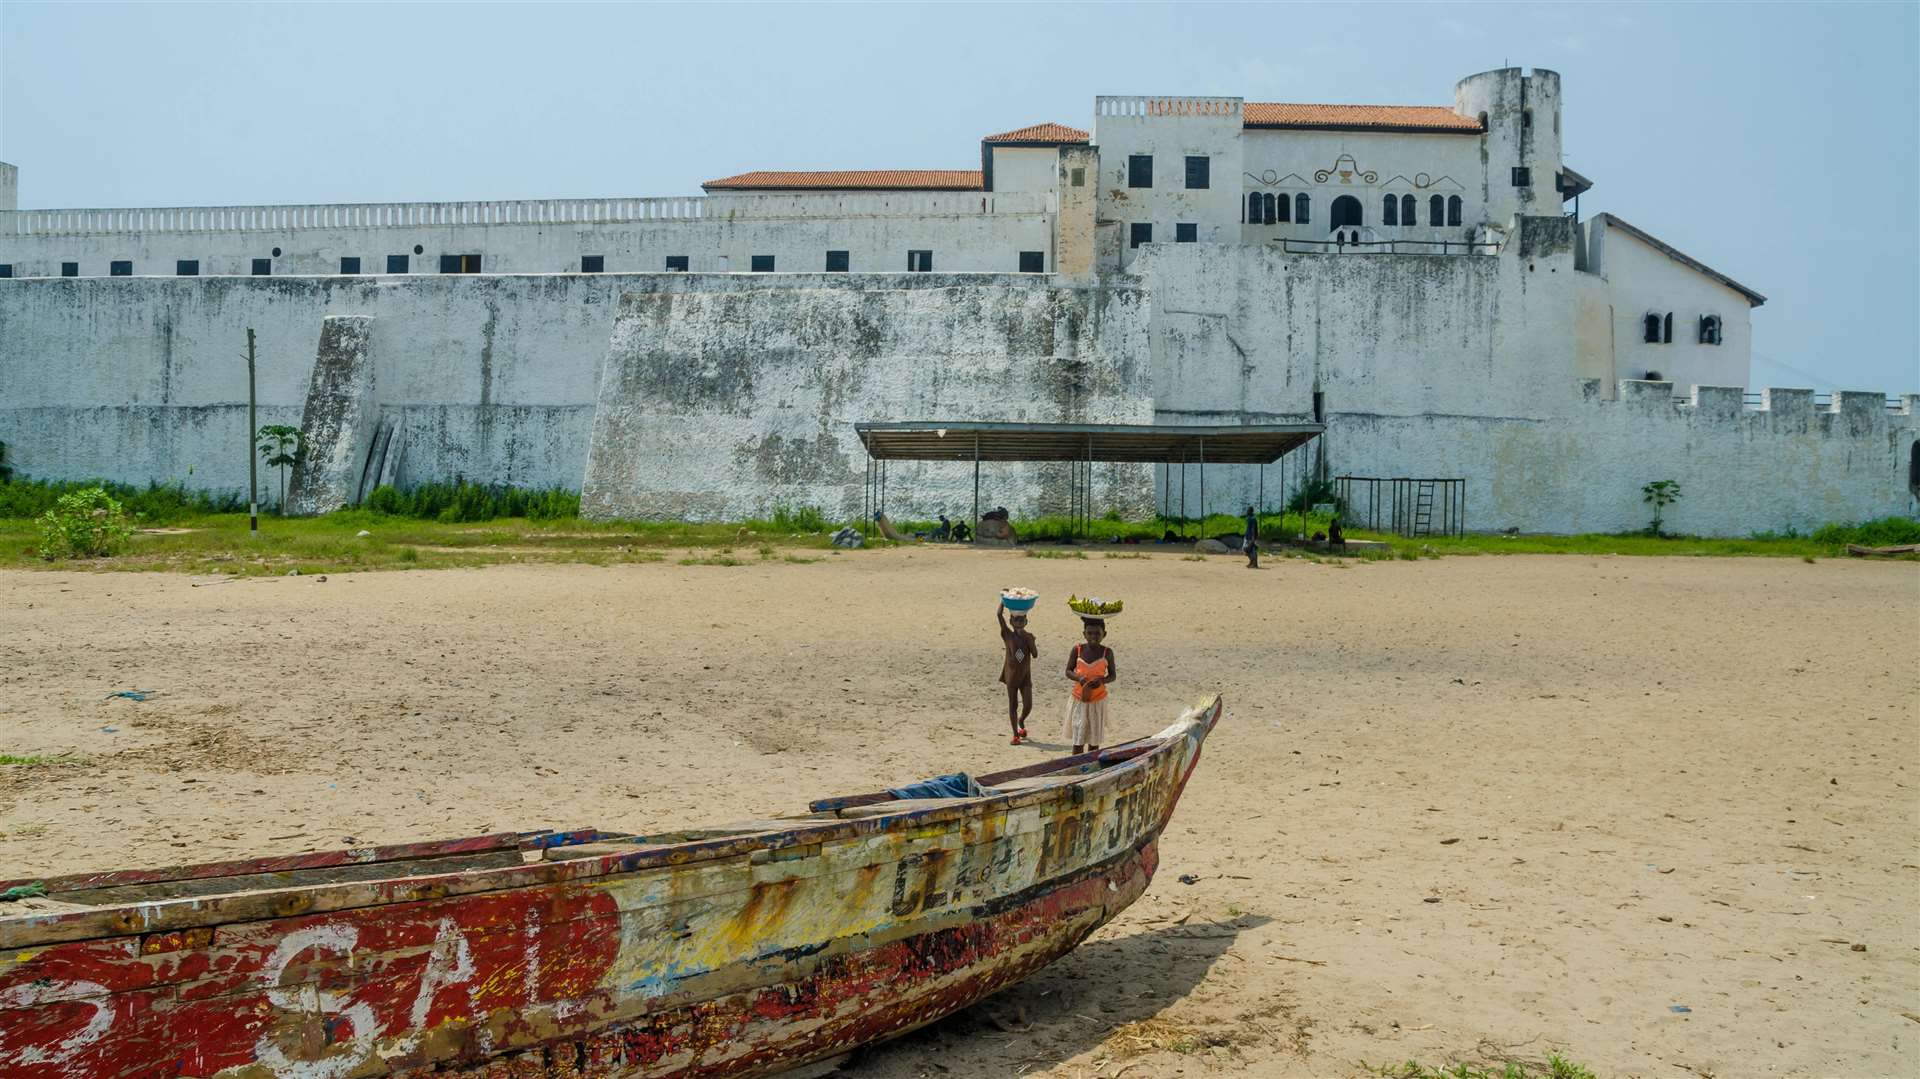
<point x="966" y="231"/>
<point x="731" y="401"/>
<point x="1642" y="280"/>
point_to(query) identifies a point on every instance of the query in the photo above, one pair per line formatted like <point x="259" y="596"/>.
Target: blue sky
<point x="1778" y="143"/>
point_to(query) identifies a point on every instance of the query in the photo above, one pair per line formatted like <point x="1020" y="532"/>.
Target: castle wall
<point x="1168" y="129"/>
<point x="966" y="231"/>
<point x="728" y="402"/>
<point x="1641" y="281"/>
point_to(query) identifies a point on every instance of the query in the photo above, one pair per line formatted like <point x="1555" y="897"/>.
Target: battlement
<point x="1148" y="105"/>
<point x="1857" y="407"/>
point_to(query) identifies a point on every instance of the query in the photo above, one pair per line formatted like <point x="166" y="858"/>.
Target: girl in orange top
<point x="1090" y="667"/>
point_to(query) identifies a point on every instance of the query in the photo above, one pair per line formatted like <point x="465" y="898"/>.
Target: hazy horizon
<point x="1731" y="132"/>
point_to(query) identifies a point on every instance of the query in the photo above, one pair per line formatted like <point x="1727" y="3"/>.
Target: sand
<point x="1464" y="809"/>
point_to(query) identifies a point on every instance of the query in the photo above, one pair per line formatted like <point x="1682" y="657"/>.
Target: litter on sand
<point x="130" y="694"/>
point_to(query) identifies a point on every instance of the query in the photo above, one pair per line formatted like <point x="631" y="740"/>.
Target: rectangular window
<point x="187" y="268"/>
<point x="1033" y="262"/>
<point x="1139" y="233"/>
<point x="676" y="264"/>
<point x="396" y="264"/>
<point x="593" y="264"/>
<point x="1077" y="177"/>
<point x="6" y="270"/>
<point x="1186" y="234"/>
<point x="919" y="262"/>
<point x="69" y="269"/>
<point x="349" y="264"/>
<point x="838" y="262"/>
<point x="1140" y="170"/>
<point x="263" y="267"/>
<point x="120" y="268"/>
<point x="1199" y="173"/>
<point x="459" y="263"/>
<point x="762" y="264"/>
<point x="1522" y="176"/>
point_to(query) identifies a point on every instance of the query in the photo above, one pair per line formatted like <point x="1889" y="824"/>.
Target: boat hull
<point x="738" y="956"/>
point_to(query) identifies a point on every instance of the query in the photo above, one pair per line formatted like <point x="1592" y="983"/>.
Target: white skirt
<point x="1086" y="722"/>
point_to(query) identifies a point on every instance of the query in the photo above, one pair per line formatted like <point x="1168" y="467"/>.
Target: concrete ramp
<point x="339" y="420"/>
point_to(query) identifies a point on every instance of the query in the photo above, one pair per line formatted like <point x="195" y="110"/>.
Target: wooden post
<point x="975" y="536"/>
<point x="253" y="452"/>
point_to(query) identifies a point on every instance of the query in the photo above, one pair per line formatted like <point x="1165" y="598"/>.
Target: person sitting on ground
<point x="1016" y="670"/>
<point x="944" y="531"/>
<point x="1335" y="538"/>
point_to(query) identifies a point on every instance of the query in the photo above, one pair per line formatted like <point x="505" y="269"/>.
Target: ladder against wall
<point x="1413" y="507"/>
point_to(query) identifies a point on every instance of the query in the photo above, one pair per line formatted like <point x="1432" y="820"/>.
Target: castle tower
<point x="1520" y="113"/>
<point x="9" y="187"/>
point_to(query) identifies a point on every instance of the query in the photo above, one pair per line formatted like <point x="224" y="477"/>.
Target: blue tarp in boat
<point x="957" y="785"/>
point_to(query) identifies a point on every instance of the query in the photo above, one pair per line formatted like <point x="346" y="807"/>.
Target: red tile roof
<point x="869" y="180"/>
<point x="1049" y="133"/>
<point x="1357" y="117"/>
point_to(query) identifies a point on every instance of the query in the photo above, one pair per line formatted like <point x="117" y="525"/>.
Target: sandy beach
<point x="1637" y="810"/>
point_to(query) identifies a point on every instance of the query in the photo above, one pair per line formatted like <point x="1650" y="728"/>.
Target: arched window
<point x="1253" y="208"/>
<point x="1650" y="329"/>
<point x="1390" y="210"/>
<point x="1346" y="212"/>
<point x="1666" y="333"/>
<point x="1436" y="211"/>
<point x="1286" y="207"/>
<point x="1407" y="204"/>
<point x="1453" y="210"/>
<point x="1302" y="207"/>
<point x="1709" y="329"/>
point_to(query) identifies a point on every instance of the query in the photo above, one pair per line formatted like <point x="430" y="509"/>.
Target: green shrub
<point x="800" y="519"/>
<point x="1885" y="532"/>
<point x="84" y="524"/>
<point x="1313" y="493"/>
<point x="460" y="502"/>
<point x="156" y="503"/>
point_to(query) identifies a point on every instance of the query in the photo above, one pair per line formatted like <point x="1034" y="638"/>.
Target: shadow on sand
<point x="1065" y="1010"/>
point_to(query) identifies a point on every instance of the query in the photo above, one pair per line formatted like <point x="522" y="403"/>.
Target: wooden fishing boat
<point x="734" y="951"/>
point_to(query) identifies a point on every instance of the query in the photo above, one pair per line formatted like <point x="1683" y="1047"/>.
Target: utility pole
<point x="253" y="474"/>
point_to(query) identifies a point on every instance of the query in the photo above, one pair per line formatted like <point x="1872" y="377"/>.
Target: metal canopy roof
<point x="1156" y="443"/>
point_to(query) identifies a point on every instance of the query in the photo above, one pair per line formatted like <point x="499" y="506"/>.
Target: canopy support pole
<point x="1203" y="488"/>
<point x="975" y="536"/>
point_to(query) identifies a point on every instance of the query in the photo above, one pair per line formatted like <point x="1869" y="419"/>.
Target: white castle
<point x="1417" y="276"/>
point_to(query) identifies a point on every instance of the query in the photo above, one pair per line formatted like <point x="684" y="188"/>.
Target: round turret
<point x="1520" y="115"/>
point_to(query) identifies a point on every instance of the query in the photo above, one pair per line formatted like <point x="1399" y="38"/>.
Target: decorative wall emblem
<point x="1346" y="168"/>
<point x="1272" y="178"/>
<point x="1421" y="181"/>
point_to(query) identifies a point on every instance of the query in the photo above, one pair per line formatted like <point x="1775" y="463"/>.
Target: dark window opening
<point x="838" y="262"/>
<point x="1650" y="329"/>
<point x="919" y="262"/>
<point x="1302" y="206"/>
<point x="1346" y="212"/>
<point x="418" y="250"/>
<point x="593" y="264"/>
<point x="1077" y="177"/>
<point x="1186" y="233"/>
<point x="1709" y="329"/>
<point x="459" y="263"/>
<point x="186" y="268"/>
<point x="1033" y="262"/>
<point x="1390" y="210"/>
<point x="1453" y="209"/>
<point x="349" y="264"/>
<point x="276" y="252"/>
<point x="762" y="264"/>
<point x="1436" y="211"/>
<point x="1319" y="407"/>
<point x="1139" y="233"/>
<point x="1666" y="330"/>
<point x="1913" y="466"/>
<point x="6" y="270"/>
<point x="1483" y="121"/>
<point x="677" y="263"/>
<point x="1140" y="170"/>
<point x="396" y="264"/>
<point x="1526" y="117"/>
<point x="1522" y="176"/>
<point x="263" y="267"/>
<point x="1280" y="209"/>
<point x="69" y="269"/>
<point x="120" y="268"/>
<point x="1407" y="206"/>
<point x="1653" y="376"/>
<point x="1199" y="173"/>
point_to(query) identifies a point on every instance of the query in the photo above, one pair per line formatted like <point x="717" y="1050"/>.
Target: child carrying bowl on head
<point x="1091" y="669"/>
<point x="1016" y="668"/>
